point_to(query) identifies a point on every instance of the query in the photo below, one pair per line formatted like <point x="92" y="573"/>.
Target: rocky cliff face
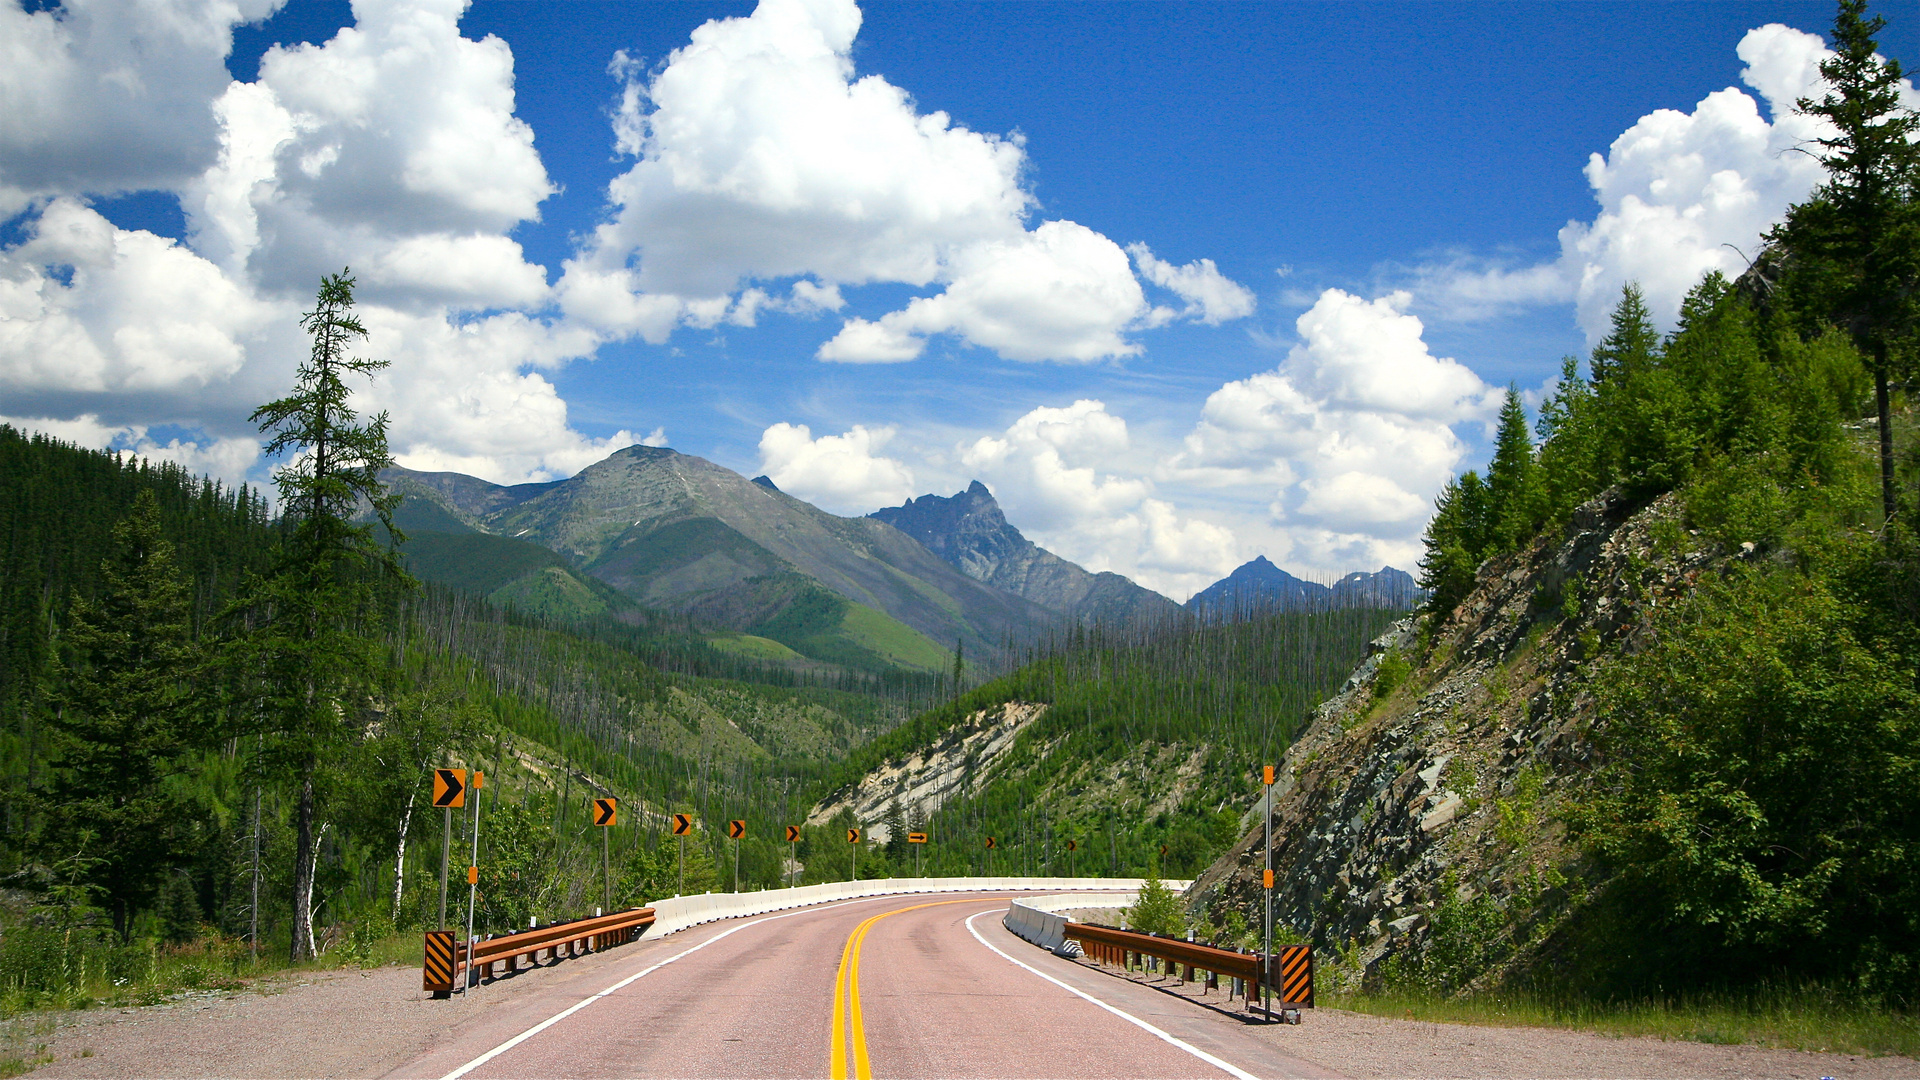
<point x="1436" y="774"/>
<point x="970" y="532"/>
<point x="957" y="764"/>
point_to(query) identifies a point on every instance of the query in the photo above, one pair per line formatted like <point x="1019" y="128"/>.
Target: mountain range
<point x="781" y="579"/>
<point x="1261" y="586"/>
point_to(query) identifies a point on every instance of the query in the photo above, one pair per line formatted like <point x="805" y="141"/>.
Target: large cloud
<point x="845" y="474"/>
<point x="762" y="157"/>
<point x="1349" y="438"/>
<point x="91" y="308"/>
<point x="109" y="96"/>
<point x="393" y="148"/>
<point x="1680" y="193"/>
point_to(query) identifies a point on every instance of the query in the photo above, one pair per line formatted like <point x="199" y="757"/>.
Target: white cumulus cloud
<point x="845" y="474"/>
<point x="1350" y="437"/>
<point x="1061" y="292"/>
<point x="392" y="148"/>
<point x="763" y="156"/>
<point x="1678" y="193"/>
<point x="1212" y="297"/>
<point x="1074" y="482"/>
<point x="112" y="95"/>
<point x="86" y="306"/>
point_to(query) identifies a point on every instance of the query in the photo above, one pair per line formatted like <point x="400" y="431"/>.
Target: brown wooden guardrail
<point x="1293" y="964"/>
<point x="445" y="957"/>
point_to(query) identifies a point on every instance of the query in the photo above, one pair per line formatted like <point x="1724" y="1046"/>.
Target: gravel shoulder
<point x="347" y="1023"/>
<point x="1368" y="1047"/>
<point x="355" y="1023"/>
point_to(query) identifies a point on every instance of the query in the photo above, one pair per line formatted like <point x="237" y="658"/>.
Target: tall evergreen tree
<point x="1631" y="344"/>
<point x="1456" y="541"/>
<point x="316" y="652"/>
<point x="1854" y="248"/>
<point x="1513" y="498"/>
<point x="126" y="715"/>
<point x="1571" y="465"/>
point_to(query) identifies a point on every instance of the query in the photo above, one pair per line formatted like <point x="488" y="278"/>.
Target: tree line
<point x="1751" y="815"/>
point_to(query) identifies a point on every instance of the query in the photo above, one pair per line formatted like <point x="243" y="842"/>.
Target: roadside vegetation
<point x="1743" y="859"/>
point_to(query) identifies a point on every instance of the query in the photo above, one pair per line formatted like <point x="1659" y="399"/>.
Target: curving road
<point x="897" y="986"/>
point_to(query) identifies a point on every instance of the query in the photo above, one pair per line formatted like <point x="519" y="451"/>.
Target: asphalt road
<point x="899" y="986"/>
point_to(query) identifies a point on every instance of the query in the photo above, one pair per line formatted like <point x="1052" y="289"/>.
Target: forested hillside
<point x="1656" y="731"/>
<point x="1148" y="736"/>
<point x="553" y="712"/>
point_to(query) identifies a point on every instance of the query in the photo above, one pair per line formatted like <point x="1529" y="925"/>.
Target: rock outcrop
<point x="956" y="764"/>
<point x="1437" y="770"/>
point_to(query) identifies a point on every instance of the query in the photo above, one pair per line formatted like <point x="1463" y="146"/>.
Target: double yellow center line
<point x="848" y="1054"/>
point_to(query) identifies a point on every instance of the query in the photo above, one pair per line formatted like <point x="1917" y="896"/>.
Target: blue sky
<point x="1183" y="283"/>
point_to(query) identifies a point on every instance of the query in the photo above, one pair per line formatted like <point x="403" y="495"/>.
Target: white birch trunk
<point x="400" y="856"/>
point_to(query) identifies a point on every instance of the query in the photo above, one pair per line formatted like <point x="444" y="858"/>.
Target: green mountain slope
<point x="674" y="531"/>
<point x="508" y="572"/>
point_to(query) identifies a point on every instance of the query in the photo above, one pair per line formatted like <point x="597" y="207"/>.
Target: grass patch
<point x="1808" y="1018"/>
<point x="888" y="637"/>
<point x="751" y="645"/>
<point x="44" y="972"/>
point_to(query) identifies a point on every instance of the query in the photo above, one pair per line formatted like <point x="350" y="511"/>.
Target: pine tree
<point x="316" y="650"/>
<point x="1571" y="465"/>
<point x="1513" y="498"/>
<point x="127" y="714"/>
<point x="1854" y="248"/>
<point x="1456" y="542"/>
<point x="1632" y="344"/>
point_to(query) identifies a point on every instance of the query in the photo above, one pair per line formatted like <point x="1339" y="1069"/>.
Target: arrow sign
<point x="1163" y="850"/>
<point x="916" y="838"/>
<point x="682" y="824"/>
<point x="736" y="829"/>
<point x="605" y="811"/>
<point x="853" y="836"/>
<point x="1073" y="845"/>
<point x="793" y="834"/>
<point x="992" y="843"/>
<point x="449" y="787"/>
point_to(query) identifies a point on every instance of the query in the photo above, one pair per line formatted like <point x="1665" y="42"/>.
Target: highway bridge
<point x="898" y="985"/>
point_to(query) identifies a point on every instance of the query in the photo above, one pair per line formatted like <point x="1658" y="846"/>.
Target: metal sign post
<point x="916" y="839"/>
<point x="793" y="854"/>
<point x="736" y="829"/>
<point x="682" y="825"/>
<point x="1266" y="880"/>
<point x="853" y="843"/>
<point x="449" y="791"/>
<point x="1073" y="858"/>
<point x="605" y="813"/>
<point x="473" y="879"/>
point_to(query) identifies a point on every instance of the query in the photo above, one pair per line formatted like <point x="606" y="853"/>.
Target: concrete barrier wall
<point x="680" y="912"/>
<point x="1041" y="927"/>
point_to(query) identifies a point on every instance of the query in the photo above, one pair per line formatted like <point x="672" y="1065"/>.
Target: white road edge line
<point x="1234" y="1070"/>
<point x="577" y="1006"/>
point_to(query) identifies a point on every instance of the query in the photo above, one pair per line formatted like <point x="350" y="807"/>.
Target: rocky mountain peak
<point x="970" y="532"/>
